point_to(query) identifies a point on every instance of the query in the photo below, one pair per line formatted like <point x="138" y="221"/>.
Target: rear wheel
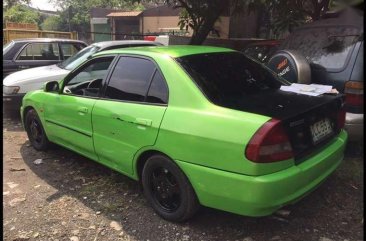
<point x="168" y="189"/>
<point x="35" y="131"/>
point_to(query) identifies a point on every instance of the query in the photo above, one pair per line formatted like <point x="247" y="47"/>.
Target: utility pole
<point x="69" y="15"/>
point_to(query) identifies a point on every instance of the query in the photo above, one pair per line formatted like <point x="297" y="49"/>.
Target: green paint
<point x="206" y="141"/>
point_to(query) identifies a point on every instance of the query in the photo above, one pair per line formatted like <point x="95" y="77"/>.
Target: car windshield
<point x="74" y="61"/>
<point x="7" y="46"/>
<point x="324" y="47"/>
<point x="224" y="77"/>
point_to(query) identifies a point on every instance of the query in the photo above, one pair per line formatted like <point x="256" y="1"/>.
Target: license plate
<point x="320" y="130"/>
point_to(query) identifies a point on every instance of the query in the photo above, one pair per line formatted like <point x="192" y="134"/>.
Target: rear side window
<point x="40" y="51"/>
<point x="158" y="91"/>
<point x="130" y="79"/>
<point x="328" y="48"/>
<point x="226" y="77"/>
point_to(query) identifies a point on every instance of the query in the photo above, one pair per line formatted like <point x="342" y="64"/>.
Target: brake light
<point x="354" y="93"/>
<point x="341" y="119"/>
<point x="269" y="144"/>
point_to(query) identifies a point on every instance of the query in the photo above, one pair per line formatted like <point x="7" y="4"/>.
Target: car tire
<point x="35" y="131"/>
<point x="168" y="190"/>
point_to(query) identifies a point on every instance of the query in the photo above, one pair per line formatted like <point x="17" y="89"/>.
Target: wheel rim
<point x="165" y="189"/>
<point x="36" y="132"/>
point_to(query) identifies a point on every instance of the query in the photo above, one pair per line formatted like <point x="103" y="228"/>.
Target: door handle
<point x="83" y="110"/>
<point x="23" y="67"/>
<point x="143" y="122"/>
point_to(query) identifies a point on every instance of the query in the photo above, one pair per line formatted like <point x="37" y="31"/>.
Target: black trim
<point x="69" y="128"/>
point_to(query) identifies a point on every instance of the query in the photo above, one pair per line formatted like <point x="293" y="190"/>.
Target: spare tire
<point x="291" y="65"/>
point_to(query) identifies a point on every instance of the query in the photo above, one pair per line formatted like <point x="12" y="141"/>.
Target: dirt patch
<point x="59" y="195"/>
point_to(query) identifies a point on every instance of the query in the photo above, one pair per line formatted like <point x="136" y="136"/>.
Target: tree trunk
<point x="217" y="8"/>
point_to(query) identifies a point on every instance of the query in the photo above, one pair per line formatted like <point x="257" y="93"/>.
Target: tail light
<point x="354" y="93"/>
<point x="341" y="119"/>
<point x="269" y="144"/>
<point x="150" y="38"/>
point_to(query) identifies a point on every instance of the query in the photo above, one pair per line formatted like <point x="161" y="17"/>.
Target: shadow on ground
<point x="333" y="210"/>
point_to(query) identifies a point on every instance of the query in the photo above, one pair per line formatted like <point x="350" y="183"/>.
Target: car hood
<point x="39" y="74"/>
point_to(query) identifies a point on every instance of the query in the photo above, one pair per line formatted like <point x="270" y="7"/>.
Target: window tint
<point x="40" y="51"/>
<point x="130" y="79"/>
<point x="69" y="49"/>
<point x="88" y="80"/>
<point x="227" y="77"/>
<point x="158" y="92"/>
<point x="326" y="47"/>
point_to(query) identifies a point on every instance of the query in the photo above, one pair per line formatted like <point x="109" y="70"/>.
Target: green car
<point x="196" y="125"/>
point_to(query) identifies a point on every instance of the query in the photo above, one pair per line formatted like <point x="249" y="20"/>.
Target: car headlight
<point x="9" y="90"/>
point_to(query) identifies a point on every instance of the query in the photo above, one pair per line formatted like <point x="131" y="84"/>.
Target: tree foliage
<point x="54" y="23"/>
<point x="285" y="15"/>
<point x="79" y="12"/>
<point x="21" y="14"/>
<point x="11" y="3"/>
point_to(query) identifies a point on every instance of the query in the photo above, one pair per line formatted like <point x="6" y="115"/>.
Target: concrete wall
<point x="152" y="24"/>
<point x="223" y="25"/>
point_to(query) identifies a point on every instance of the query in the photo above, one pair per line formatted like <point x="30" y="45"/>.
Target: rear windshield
<point x="328" y="47"/>
<point x="224" y="77"/>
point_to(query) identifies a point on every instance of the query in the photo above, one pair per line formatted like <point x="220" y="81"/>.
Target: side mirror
<point x="51" y="86"/>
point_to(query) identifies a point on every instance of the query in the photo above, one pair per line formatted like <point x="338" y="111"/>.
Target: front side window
<point x="130" y="79"/>
<point x="40" y="51"/>
<point x="226" y="77"/>
<point x="87" y="81"/>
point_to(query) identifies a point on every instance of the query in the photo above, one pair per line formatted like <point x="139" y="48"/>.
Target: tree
<point x="199" y="15"/>
<point x="21" y="14"/>
<point x="53" y="23"/>
<point x="11" y="3"/>
<point x="78" y="12"/>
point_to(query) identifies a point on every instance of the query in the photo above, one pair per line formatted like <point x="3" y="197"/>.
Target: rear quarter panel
<point x="196" y="131"/>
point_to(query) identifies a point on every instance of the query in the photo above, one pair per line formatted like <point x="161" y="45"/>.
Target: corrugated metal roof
<point x="125" y="14"/>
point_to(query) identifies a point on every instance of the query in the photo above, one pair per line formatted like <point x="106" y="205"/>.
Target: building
<point x="111" y="24"/>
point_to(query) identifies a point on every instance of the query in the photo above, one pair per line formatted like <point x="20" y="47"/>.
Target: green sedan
<point x="195" y="125"/>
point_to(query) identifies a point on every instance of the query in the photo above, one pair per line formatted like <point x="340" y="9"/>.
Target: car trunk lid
<point x="309" y="121"/>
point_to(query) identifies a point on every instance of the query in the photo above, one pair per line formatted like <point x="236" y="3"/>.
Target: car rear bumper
<point x="12" y="102"/>
<point x="262" y="195"/>
<point x="354" y="126"/>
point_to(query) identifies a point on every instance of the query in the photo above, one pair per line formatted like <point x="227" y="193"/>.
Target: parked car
<point x="16" y="85"/>
<point x="194" y="125"/>
<point x="261" y="50"/>
<point x="334" y="47"/>
<point x="22" y="54"/>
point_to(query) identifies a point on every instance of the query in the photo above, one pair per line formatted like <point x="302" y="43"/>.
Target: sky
<point x="43" y="5"/>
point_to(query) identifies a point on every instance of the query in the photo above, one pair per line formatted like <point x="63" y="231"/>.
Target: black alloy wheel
<point x="35" y="131"/>
<point x="168" y="190"/>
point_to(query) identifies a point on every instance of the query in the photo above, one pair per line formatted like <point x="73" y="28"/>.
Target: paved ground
<point x="59" y="195"/>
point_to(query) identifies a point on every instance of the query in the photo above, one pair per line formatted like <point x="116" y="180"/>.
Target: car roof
<point x="174" y="51"/>
<point x="47" y="40"/>
<point x="105" y="44"/>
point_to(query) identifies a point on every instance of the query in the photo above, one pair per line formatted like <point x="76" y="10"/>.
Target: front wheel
<point x="168" y="189"/>
<point x="35" y="131"/>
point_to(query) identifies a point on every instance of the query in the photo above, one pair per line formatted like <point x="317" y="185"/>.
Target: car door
<point x="128" y="116"/>
<point x="68" y="113"/>
<point x="37" y="54"/>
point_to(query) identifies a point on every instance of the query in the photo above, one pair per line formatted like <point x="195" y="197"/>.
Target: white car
<point x="16" y="85"/>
